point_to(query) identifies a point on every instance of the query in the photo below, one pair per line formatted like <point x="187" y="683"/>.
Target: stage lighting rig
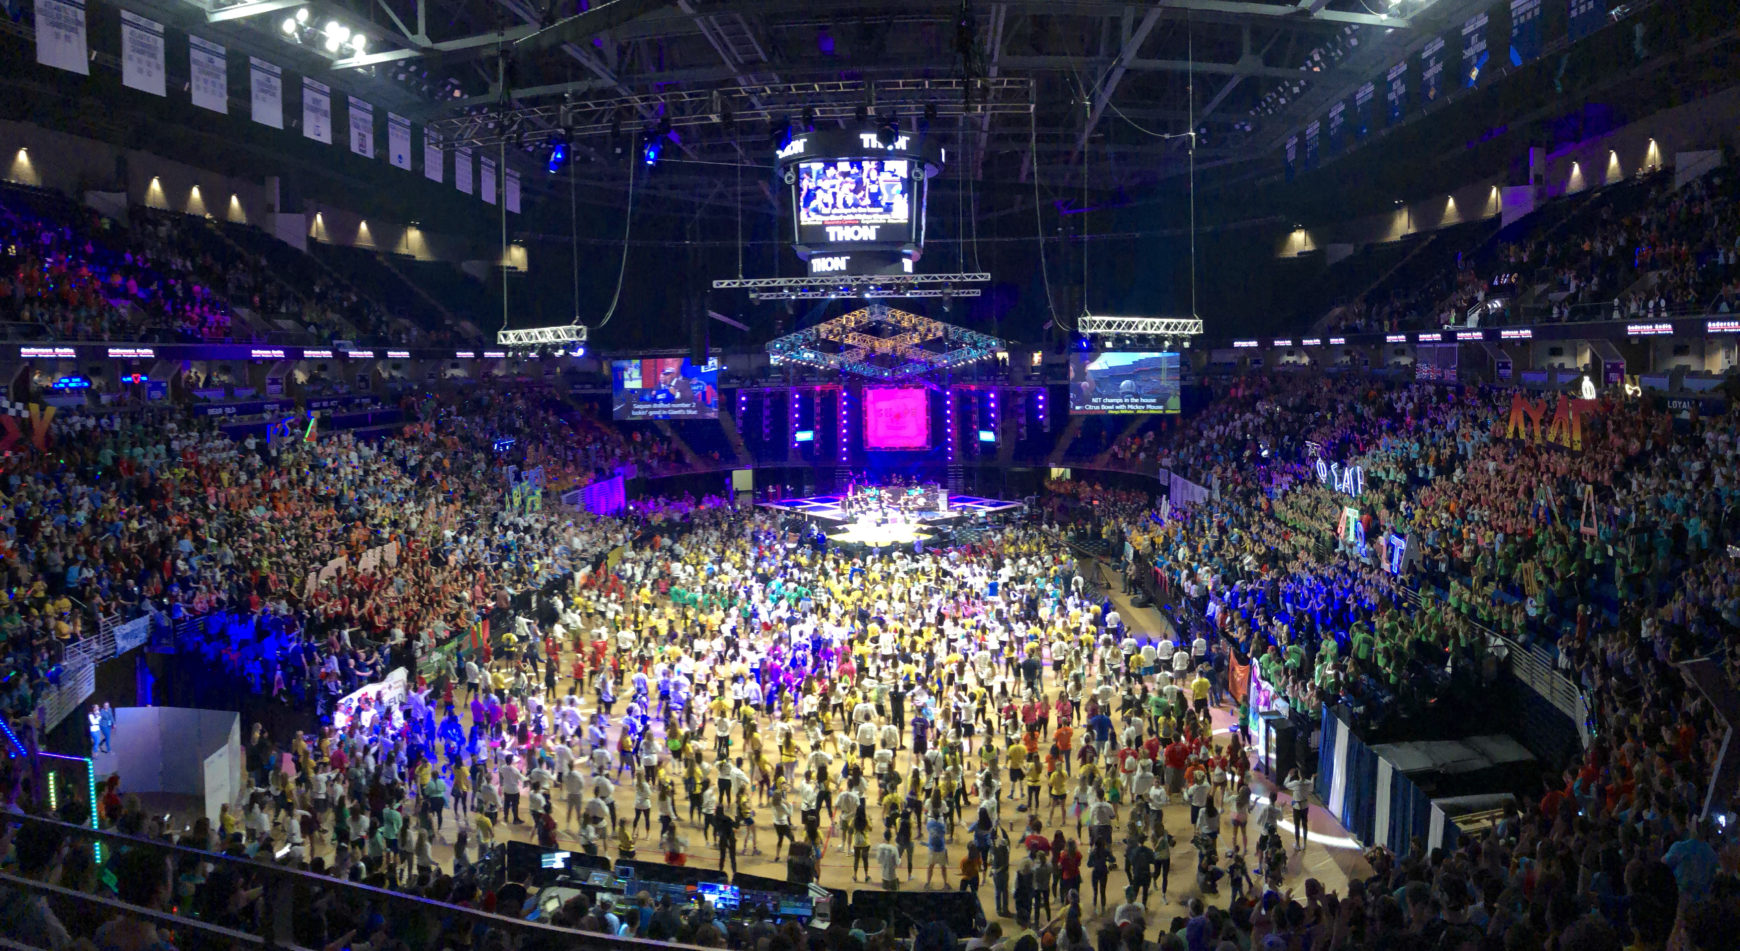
<point x="568" y="336"/>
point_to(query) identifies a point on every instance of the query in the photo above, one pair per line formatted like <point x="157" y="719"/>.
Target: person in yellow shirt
<point x="1058" y="781"/>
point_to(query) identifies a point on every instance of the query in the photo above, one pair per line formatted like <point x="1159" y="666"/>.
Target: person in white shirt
<point x="866" y="738"/>
<point x="573" y="795"/>
<point x="886" y="855"/>
<point x="511" y="781"/>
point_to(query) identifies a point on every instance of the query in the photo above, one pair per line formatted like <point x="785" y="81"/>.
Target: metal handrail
<point x="280" y="893"/>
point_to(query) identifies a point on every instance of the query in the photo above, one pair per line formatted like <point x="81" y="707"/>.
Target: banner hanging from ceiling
<point x="462" y="171"/>
<point x="209" y="71"/>
<point x="1474" y="52"/>
<point x="399" y="141"/>
<point x="141" y="53"/>
<point x="1586" y="16"/>
<point x="433" y="162"/>
<point x="1312" y="132"/>
<point x="511" y="191"/>
<point x="1432" y="70"/>
<point x="486" y="180"/>
<point x="60" y="36"/>
<point x="1396" y="91"/>
<point x="1362" y="99"/>
<point x="266" y="85"/>
<point x="362" y="128"/>
<point x="1525" y="31"/>
<point x="1337" y="125"/>
<point x="317" y="111"/>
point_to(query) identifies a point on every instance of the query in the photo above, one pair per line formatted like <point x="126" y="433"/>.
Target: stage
<point x="828" y="508"/>
<point x="887" y="527"/>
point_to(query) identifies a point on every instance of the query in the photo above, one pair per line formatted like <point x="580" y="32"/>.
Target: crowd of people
<point x="753" y="692"/>
<point x="1646" y="251"/>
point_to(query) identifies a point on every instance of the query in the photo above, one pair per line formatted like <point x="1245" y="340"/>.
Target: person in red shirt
<point x="1177" y="757"/>
<point x="1069" y="869"/>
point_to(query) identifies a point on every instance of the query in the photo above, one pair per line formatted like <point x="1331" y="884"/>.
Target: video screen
<point x="1123" y="382"/>
<point x="854" y="192"/>
<point x="664" y="388"/>
<point x="896" y="418"/>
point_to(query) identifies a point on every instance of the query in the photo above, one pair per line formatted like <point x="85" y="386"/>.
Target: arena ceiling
<point x="1074" y="88"/>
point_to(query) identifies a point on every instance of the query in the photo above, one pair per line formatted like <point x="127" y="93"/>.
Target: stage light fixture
<point x="809" y="119"/>
<point x="558" y="157"/>
<point x="359" y="43"/>
<point x="333" y="43"/>
<point x="289" y="26"/>
<point x="861" y="115"/>
<point x="649" y="153"/>
<point x="888" y="130"/>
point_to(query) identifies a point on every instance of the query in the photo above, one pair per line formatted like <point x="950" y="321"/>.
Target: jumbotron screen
<point x="664" y="388"/>
<point x="1123" y="382"/>
<point x="854" y="192"/>
<point x="896" y="418"/>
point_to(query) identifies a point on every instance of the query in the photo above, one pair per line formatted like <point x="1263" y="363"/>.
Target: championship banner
<point x="1525" y="31"/>
<point x="317" y="111"/>
<point x="60" y="36"/>
<point x="511" y="191"/>
<point x="432" y="158"/>
<point x="266" y="83"/>
<point x="1432" y="70"/>
<point x="1587" y="16"/>
<point x="1292" y="156"/>
<point x="1362" y="99"/>
<point x="1311" y="135"/>
<point x="462" y="171"/>
<point x="362" y="128"/>
<point x="141" y="53"/>
<point x="1474" y="51"/>
<point x="210" y="72"/>
<point x="1337" y="124"/>
<point x="486" y="180"/>
<point x="1396" y="91"/>
<point x="399" y="141"/>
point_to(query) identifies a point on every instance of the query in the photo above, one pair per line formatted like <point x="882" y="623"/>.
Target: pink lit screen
<point x="896" y="418"/>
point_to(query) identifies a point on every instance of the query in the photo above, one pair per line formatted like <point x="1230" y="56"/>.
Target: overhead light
<point x="333" y="43"/>
<point x="289" y="26"/>
<point x="359" y="42"/>
<point x="337" y="30"/>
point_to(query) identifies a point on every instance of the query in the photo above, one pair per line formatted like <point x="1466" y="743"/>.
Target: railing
<point x="286" y="893"/>
<point x="1532" y="668"/>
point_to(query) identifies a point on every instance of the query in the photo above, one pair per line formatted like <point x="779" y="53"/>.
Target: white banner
<point x="267" y="83"/>
<point x="486" y="180"/>
<point x="399" y="141"/>
<point x="317" y="111"/>
<point x="462" y="170"/>
<point x="132" y="634"/>
<point x="511" y="191"/>
<point x="60" y="35"/>
<point x="209" y="67"/>
<point x="362" y="128"/>
<point x="141" y="53"/>
<point x="433" y="161"/>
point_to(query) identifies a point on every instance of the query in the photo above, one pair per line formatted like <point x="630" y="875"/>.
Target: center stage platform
<point x="879" y="532"/>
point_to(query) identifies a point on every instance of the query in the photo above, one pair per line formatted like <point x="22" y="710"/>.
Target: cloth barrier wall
<point x="1376" y="802"/>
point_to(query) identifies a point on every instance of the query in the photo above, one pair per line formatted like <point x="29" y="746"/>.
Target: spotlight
<point x="302" y="15"/>
<point x="289" y="26"/>
<point x="888" y="131"/>
<point x="333" y="43"/>
<point x="359" y="42"/>
<point x="649" y="153"/>
<point x="558" y="157"/>
<point x="337" y="30"/>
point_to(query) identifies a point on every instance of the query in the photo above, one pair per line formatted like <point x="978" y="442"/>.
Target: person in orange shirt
<point x="1062" y="742"/>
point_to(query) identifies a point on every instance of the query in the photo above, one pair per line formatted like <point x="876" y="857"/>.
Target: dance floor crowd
<point x="692" y="684"/>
